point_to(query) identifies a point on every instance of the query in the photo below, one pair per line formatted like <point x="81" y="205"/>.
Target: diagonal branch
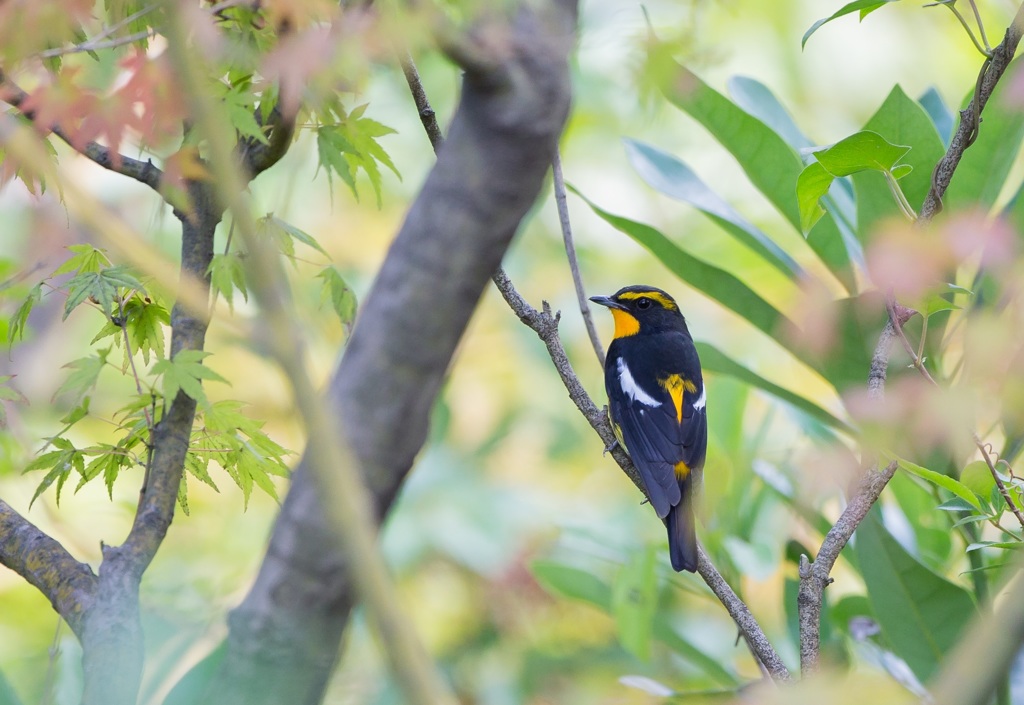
<point x="814" y="577"/>
<point x="142" y="171"/>
<point x="545" y="325"/>
<point x="970" y="118"/>
<point x="68" y="584"/>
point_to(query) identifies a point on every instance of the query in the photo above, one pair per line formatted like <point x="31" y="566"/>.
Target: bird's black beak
<point x="607" y="301"/>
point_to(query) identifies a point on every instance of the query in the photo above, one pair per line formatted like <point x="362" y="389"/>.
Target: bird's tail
<point x="682" y="535"/>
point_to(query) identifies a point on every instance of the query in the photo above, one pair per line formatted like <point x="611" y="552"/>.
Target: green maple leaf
<point x="185" y="372"/>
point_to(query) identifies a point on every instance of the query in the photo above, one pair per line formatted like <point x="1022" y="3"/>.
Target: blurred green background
<point x="512" y="493"/>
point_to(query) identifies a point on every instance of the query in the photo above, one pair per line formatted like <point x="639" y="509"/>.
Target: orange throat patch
<point x="625" y="323"/>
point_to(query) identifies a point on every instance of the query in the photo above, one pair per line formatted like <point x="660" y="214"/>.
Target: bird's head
<point x="640" y="309"/>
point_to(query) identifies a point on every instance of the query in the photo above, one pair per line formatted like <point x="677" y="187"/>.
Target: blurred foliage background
<point x="514" y="536"/>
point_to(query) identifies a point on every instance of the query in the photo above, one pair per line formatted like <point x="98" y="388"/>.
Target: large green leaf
<point x="982" y="171"/>
<point x="714" y="360"/>
<point x="921" y="614"/>
<point x="769" y="162"/>
<point x="664" y="172"/>
<point x="902" y="121"/>
<point x="635" y="602"/>
<point x="758" y="100"/>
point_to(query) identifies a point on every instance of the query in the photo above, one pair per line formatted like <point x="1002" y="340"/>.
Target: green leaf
<point x="978" y="478"/>
<point x="18" y="322"/>
<point x="756" y="98"/>
<point x="283" y="233"/>
<point x="185" y="372"/>
<point x="227" y="273"/>
<point x="146" y="321"/>
<point x="899" y="120"/>
<point x="861" y="151"/>
<point x="1006" y="545"/>
<point x="85" y="372"/>
<point x="85" y="258"/>
<point x="635" y="602"/>
<point x="192" y="687"/>
<point x="865" y="7"/>
<point x="812" y="185"/>
<point x="576" y="584"/>
<point x="714" y="360"/>
<point x="60" y="463"/>
<point x="939" y="113"/>
<point x="330" y="149"/>
<point x="944" y="481"/>
<point x="665" y="173"/>
<point x="8" y="393"/>
<point x="921" y="614"/>
<point x="351" y="144"/>
<point x="343" y="300"/>
<point x="769" y="162"/>
<point x="101" y="286"/>
<point x="240" y="103"/>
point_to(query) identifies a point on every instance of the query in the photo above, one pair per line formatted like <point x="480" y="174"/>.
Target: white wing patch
<point x="701" y="400"/>
<point x="631" y="388"/>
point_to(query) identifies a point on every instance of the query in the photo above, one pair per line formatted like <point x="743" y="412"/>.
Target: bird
<point x="657" y="406"/>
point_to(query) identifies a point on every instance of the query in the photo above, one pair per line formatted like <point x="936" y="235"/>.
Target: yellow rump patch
<point x="625" y="323"/>
<point x="682" y="470"/>
<point x="675" y="385"/>
<point x="665" y="301"/>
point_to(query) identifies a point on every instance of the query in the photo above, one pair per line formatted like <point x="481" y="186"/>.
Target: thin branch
<point x="142" y="171"/>
<point x="999" y="481"/>
<point x="815" y="577"/>
<point x="967" y="131"/>
<point x="427" y="115"/>
<point x="97" y="43"/>
<point x="545" y="325"/>
<point x="69" y="585"/>
<point x="570" y="252"/>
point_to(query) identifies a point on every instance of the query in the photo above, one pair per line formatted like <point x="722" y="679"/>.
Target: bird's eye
<point x="643" y="303"/>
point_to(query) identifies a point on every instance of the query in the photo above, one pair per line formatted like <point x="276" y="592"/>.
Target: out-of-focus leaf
<point x="670" y="176"/>
<point x="1007" y="545"/>
<point x="864" y="7"/>
<point x="758" y="100"/>
<point x="901" y="121"/>
<point x="978" y="478"/>
<point x="635" y="602"/>
<point x="944" y="481"/>
<point x="769" y="162"/>
<point x="572" y="582"/>
<point x="981" y="173"/>
<point x="343" y="300"/>
<point x="938" y="112"/>
<point x="85" y="372"/>
<point x="8" y="696"/>
<point x="714" y="360"/>
<point x="921" y="614"/>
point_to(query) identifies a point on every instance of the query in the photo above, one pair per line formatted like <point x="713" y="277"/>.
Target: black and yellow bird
<point x="657" y="406"/>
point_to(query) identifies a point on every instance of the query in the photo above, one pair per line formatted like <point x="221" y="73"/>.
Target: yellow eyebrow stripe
<point x="665" y="301"/>
<point x="675" y="385"/>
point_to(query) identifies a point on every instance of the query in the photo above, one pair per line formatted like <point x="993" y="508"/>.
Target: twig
<point x="427" y="115"/>
<point x="762" y="648"/>
<point x="815" y="577"/>
<point x="142" y="171"/>
<point x="999" y="481"/>
<point x="570" y="252"/>
<point x="94" y="44"/>
<point x="989" y="75"/>
<point x="545" y="325"/>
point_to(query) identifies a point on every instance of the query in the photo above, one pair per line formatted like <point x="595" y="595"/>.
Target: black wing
<point x="648" y="420"/>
